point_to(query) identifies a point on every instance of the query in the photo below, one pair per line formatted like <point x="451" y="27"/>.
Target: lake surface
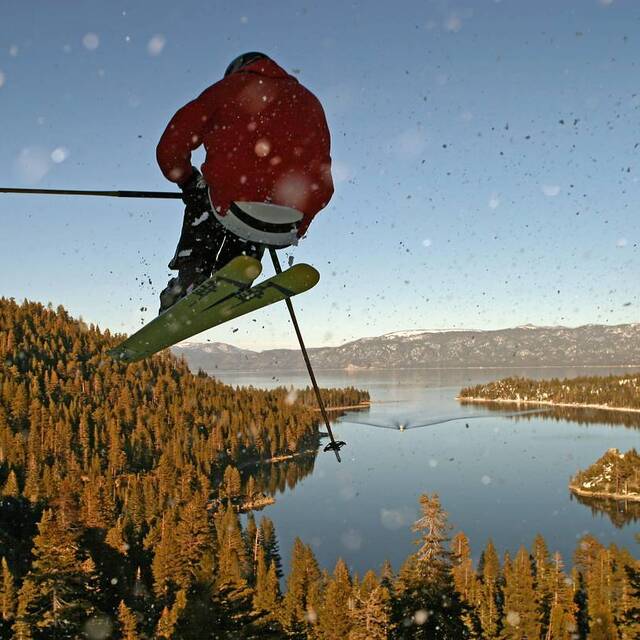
<point x="500" y="478"/>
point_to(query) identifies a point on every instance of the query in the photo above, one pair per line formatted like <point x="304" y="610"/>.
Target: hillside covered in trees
<point x="121" y="489"/>
<point x="616" y="391"/>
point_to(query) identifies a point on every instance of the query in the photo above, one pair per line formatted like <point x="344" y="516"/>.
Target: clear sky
<point x="485" y="157"/>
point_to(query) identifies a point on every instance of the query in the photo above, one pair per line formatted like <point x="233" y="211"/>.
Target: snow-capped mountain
<point x="520" y="346"/>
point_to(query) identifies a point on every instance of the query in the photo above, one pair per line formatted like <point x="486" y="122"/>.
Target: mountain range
<point x="526" y="345"/>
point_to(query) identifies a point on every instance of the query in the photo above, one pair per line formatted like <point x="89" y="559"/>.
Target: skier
<point x="267" y="170"/>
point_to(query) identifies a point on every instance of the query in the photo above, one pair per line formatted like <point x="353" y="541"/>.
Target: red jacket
<point x="266" y="139"/>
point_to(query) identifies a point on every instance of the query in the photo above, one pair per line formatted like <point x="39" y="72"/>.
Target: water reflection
<point x="583" y="416"/>
<point x="276" y="476"/>
<point x="620" y="512"/>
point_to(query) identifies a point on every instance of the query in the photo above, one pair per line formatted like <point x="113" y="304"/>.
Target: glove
<point x="195" y="192"/>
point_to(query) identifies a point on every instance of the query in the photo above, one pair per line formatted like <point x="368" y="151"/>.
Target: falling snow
<point x="59" y="154"/>
<point x="513" y="618"/>
<point x="421" y="616"/>
<point x="351" y="539"/>
<point x="453" y="23"/>
<point x="291" y="397"/>
<point x="262" y="148"/>
<point x="91" y="41"/>
<point x="394" y="519"/>
<point x="550" y="190"/>
<point x="156" y="45"/>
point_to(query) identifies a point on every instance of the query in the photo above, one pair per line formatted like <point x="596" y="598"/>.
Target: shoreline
<point x="633" y="497"/>
<point x="285" y="456"/>
<point x="362" y="405"/>
<point x="275" y="459"/>
<point x="548" y="403"/>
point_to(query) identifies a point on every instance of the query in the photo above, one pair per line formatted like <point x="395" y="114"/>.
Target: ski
<point x="225" y="296"/>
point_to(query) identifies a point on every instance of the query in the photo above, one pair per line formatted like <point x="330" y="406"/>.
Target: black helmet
<point x="243" y="60"/>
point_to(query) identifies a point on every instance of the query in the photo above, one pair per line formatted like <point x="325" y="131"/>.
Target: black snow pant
<point x="205" y="245"/>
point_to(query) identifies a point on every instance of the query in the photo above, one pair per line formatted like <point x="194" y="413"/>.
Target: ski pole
<point x="112" y="194"/>
<point x="333" y="445"/>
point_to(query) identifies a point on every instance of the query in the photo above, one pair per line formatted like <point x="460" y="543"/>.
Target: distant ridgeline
<point x="613" y="392"/>
<point x="120" y="490"/>
<point x="515" y="347"/>
<point x="615" y="475"/>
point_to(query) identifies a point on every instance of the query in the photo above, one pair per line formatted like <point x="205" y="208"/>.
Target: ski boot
<point x="178" y="288"/>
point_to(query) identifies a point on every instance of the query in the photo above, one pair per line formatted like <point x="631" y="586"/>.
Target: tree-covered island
<point x="614" y="392"/>
<point x="615" y="475"/>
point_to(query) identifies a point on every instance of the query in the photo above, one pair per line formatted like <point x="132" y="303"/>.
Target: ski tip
<point x="307" y="275"/>
<point x="251" y="267"/>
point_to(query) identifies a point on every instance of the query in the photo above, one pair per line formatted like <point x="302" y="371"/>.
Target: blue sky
<point x="485" y="157"/>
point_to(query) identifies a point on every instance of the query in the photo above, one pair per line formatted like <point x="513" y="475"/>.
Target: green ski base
<point x="225" y="296"/>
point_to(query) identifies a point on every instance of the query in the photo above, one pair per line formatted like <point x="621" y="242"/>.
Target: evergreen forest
<point x="129" y="509"/>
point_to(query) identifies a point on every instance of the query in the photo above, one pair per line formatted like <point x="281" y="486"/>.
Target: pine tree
<point x="463" y="573"/>
<point x="7" y="593"/>
<point x="24" y="626"/>
<point x="267" y="592"/>
<point x="11" y="488"/>
<point x="179" y="605"/>
<point x="166" y="560"/>
<point x="232" y="482"/>
<point x="266" y="598"/>
<point x="428" y="605"/>
<point x="300" y="604"/>
<point x="465" y="581"/>
<point x="128" y="622"/>
<point x="371" y="612"/>
<point x="232" y="559"/>
<point x="269" y="542"/>
<point x="252" y="544"/>
<point x="166" y="624"/>
<point x="489" y="594"/>
<point x="193" y="537"/>
<point x="599" y="597"/>
<point x="335" y="614"/>
<point x="520" y="609"/>
<point x="55" y="595"/>
<point x="562" y="623"/>
<point x="233" y="600"/>
<point x="542" y="569"/>
<point x="433" y="561"/>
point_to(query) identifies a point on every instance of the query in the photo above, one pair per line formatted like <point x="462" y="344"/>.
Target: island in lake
<point x="615" y="475"/>
<point x="615" y="392"/>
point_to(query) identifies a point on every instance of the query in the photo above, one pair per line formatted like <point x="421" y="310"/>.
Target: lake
<point x="501" y="478"/>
